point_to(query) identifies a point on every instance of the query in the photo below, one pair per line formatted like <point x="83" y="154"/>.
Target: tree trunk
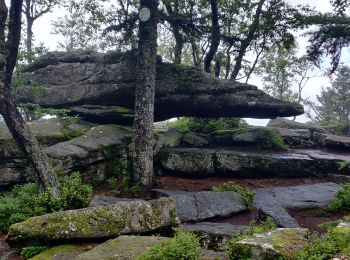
<point x="215" y="36"/>
<point x="144" y="97"/>
<point x="179" y="44"/>
<point x="29" y="42"/>
<point x="246" y="42"/>
<point x="44" y="176"/>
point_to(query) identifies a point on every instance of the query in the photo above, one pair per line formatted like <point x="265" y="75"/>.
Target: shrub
<point x="269" y="139"/>
<point x="31" y="251"/>
<point x="25" y="201"/>
<point x="317" y="249"/>
<point x="239" y="252"/>
<point x="184" y="245"/>
<point x="206" y="125"/>
<point x="344" y="165"/>
<point x="341" y="202"/>
<point x="246" y="192"/>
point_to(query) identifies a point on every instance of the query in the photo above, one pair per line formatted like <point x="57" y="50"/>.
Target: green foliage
<point x="206" y="125"/>
<point x="318" y="249"/>
<point x="40" y="111"/>
<point x="25" y="201"/>
<point x="328" y="226"/>
<point x="31" y="251"/>
<point x="344" y="165"/>
<point x="184" y="246"/>
<point x="269" y="139"/>
<point x="347" y="218"/>
<point x="239" y="252"/>
<point x="246" y="192"/>
<point x="341" y="202"/>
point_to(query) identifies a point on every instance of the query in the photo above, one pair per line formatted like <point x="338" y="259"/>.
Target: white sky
<point x="43" y="33"/>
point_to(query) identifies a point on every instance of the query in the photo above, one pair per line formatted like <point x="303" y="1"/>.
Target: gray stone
<point x="203" y="205"/>
<point x="274" y="201"/>
<point x="85" y="77"/>
<point x="332" y="141"/>
<point x="194" y="140"/>
<point x="98" y="200"/>
<point x="124" y="217"/>
<point x="276" y="244"/>
<point x="214" y="235"/>
<point x="171" y="138"/>
<point x="123" y="247"/>
<point x="286" y="123"/>
<point x="210" y="255"/>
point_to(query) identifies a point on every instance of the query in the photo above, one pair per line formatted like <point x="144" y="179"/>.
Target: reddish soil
<point x="6" y="252"/>
<point x="186" y="184"/>
<point x="311" y="218"/>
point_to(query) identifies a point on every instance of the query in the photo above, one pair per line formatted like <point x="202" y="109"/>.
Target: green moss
<point x="270" y="139"/>
<point x="50" y="253"/>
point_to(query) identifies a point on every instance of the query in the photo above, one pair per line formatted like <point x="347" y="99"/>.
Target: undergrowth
<point x="184" y="245"/>
<point x="25" y="201"/>
<point x="341" y="202"/>
<point x="31" y="251"/>
<point x="246" y="192"/>
<point x="269" y="139"/>
<point x="207" y="125"/>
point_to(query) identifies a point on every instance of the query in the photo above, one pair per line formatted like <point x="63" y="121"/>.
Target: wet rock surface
<point x="196" y="206"/>
<point x="90" y="78"/>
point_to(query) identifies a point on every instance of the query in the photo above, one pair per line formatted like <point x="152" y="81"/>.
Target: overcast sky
<point x="43" y="33"/>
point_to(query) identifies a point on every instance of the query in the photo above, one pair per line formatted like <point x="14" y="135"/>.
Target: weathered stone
<point x="172" y="138"/>
<point x="96" y="222"/>
<point x="214" y="235"/>
<point x="203" y="205"/>
<point x="275" y="244"/>
<point x="194" y="140"/>
<point x="104" y="114"/>
<point x="332" y="141"/>
<point x="85" y="77"/>
<point x="106" y="200"/>
<point x="285" y="123"/>
<point x="123" y="247"/>
<point x="240" y="162"/>
<point x="63" y="252"/>
<point x="274" y="201"/>
<point x="210" y="255"/>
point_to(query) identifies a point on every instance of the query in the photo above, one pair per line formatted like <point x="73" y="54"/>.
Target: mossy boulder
<point x="195" y="140"/>
<point x="96" y="222"/>
<point x="276" y="244"/>
<point x="123" y="247"/>
<point x="62" y="252"/>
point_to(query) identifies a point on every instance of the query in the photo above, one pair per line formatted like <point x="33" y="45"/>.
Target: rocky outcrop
<point x="196" y="206"/>
<point x="276" y="244"/>
<point x="214" y="236"/>
<point x="332" y="141"/>
<point x="85" y="77"/>
<point x="240" y="162"/>
<point x="291" y="124"/>
<point x="273" y="202"/>
<point x="130" y="217"/>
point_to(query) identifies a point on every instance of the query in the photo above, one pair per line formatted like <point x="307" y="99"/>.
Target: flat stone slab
<point x="124" y="217"/>
<point x="107" y="200"/>
<point x="274" y="201"/>
<point x="238" y="162"/>
<point x="123" y="247"/>
<point x="214" y="235"/>
<point x="191" y="206"/>
<point x="332" y="141"/>
<point x="275" y="244"/>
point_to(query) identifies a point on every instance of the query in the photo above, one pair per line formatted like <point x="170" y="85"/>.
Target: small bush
<point x="237" y="251"/>
<point x="328" y="226"/>
<point x="184" y="245"/>
<point x="341" y="202"/>
<point x="31" y="251"/>
<point x="25" y="201"/>
<point x="206" y="125"/>
<point x="246" y="192"/>
<point x="344" y="165"/>
<point x="317" y="249"/>
<point x="269" y="139"/>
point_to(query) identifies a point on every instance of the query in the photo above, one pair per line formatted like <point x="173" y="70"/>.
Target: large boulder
<point x="124" y="217"/>
<point x="332" y="141"/>
<point x="86" y="77"/>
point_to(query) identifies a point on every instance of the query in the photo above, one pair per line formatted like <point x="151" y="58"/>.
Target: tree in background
<point x="334" y="102"/>
<point x="34" y="9"/>
<point x="43" y="173"/>
<point x="281" y="70"/>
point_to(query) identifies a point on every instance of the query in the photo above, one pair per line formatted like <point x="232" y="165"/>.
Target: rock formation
<point x="85" y="78"/>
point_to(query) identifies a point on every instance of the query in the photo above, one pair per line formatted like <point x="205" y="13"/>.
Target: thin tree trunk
<point x="246" y="42"/>
<point x="144" y="97"/>
<point x="215" y="36"/>
<point x="44" y="176"/>
<point x="29" y="42"/>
